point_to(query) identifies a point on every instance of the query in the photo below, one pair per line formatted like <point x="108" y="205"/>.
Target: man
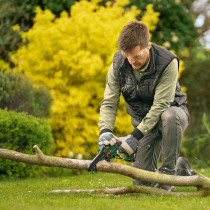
<point x="147" y="76"/>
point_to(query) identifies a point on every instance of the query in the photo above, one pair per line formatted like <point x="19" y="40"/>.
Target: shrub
<point x="197" y="147"/>
<point x="71" y="56"/>
<point x="196" y="79"/>
<point x="20" y="132"/>
<point x="22" y="12"/>
<point x="17" y="93"/>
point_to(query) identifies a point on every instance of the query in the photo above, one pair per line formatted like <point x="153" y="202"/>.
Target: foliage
<point x="21" y="132"/>
<point x="71" y="55"/>
<point x="196" y="79"/>
<point x="56" y="6"/>
<point x="4" y="66"/>
<point x="22" y="12"/>
<point x="9" y="39"/>
<point x="17" y="93"/>
<point x="176" y="26"/>
<point x="198" y="147"/>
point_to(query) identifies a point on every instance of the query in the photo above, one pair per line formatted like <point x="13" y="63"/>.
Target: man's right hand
<point x="107" y="138"/>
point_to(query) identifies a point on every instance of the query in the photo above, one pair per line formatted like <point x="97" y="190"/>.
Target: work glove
<point x="107" y="138"/>
<point x="130" y="142"/>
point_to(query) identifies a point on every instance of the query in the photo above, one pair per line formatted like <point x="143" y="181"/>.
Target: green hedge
<point x="17" y="93"/>
<point x="20" y="132"/>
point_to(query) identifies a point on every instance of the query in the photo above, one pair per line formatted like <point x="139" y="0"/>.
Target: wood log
<point x="201" y="182"/>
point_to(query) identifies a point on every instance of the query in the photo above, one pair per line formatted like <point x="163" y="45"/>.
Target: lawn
<point x="34" y="194"/>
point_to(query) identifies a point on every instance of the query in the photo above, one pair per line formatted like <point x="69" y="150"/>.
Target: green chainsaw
<point x="107" y="152"/>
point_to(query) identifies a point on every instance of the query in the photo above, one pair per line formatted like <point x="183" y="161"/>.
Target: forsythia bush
<point x="71" y="56"/>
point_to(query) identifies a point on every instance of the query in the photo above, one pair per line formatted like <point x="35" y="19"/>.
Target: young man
<point x="147" y="76"/>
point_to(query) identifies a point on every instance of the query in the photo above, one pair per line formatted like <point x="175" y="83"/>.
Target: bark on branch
<point x="201" y="182"/>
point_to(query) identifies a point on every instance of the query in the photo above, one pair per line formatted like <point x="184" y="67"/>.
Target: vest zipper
<point x="137" y="88"/>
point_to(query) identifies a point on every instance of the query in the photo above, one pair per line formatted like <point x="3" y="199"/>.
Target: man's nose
<point x="131" y="60"/>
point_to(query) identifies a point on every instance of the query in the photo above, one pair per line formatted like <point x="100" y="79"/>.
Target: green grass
<point x="34" y="194"/>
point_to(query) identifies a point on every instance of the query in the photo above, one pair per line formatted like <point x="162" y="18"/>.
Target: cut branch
<point x="201" y="182"/>
<point x="129" y="190"/>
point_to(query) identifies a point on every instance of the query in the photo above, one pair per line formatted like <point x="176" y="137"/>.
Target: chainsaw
<point x="108" y="152"/>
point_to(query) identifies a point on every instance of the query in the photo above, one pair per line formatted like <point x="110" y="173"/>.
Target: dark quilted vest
<point x="139" y="95"/>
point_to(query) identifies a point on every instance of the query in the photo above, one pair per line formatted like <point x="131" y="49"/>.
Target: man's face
<point x="137" y="57"/>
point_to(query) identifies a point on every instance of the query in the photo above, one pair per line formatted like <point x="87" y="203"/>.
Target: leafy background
<point x="67" y="47"/>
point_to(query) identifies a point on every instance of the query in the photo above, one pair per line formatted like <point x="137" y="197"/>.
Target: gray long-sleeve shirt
<point x="164" y="96"/>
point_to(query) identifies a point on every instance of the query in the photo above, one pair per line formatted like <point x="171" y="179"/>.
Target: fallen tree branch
<point x="130" y="190"/>
<point x="201" y="182"/>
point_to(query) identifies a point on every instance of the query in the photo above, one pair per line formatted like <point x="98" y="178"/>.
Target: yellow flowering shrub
<point x="71" y="56"/>
<point x="4" y="65"/>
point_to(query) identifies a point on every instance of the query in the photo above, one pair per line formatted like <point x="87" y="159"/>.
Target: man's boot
<point x="183" y="167"/>
<point x="169" y="188"/>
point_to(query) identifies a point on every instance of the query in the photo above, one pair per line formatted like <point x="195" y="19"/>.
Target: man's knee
<point x="174" y="116"/>
<point x="170" y="115"/>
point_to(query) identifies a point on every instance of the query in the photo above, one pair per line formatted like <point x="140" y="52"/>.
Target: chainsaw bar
<point x="98" y="158"/>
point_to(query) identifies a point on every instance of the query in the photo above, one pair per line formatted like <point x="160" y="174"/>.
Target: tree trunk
<point x="201" y="182"/>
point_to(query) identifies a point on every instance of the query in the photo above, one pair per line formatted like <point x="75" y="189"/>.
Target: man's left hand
<point x="128" y="145"/>
<point x="130" y="142"/>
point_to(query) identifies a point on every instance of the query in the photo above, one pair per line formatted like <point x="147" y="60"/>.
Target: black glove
<point x="106" y="137"/>
<point x="130" y="142"/>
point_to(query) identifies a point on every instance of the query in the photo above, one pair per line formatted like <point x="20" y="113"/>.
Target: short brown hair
<point x="134" y="33"/>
